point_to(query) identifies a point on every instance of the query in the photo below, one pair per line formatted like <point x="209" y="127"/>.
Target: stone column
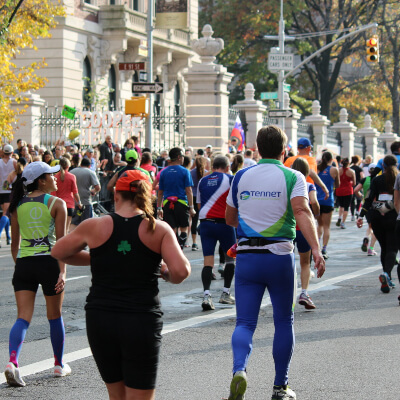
<point x="319" y="124"/>
<point x="28" y="123"/>
<point x="389" y="137"/>
<point x="254" y="110"/>
<point x="207" y="96"/>
<point x="346" y="130"/>
<point x="291" y="123"/>
<point x="371" y="137"/>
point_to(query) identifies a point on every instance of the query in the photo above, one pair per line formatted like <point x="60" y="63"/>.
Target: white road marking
<point x="188" y="323"/>
<point x="77" y="277"/>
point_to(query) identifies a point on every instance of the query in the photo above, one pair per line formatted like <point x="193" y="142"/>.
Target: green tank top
<point x="36" y="226"/>
<point x="366" y="186"/>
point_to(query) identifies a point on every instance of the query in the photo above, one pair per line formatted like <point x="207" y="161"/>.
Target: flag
<point x="238" y="134"/>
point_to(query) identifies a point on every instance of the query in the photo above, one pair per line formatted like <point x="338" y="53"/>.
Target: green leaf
<point x="124" y="247"/>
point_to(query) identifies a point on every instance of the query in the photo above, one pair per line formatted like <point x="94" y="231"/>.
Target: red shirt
<point x="66" y="189"/>
<point x="346" y="184"/>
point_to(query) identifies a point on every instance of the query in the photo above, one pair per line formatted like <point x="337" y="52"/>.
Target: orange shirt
<point x="312" y="162"/>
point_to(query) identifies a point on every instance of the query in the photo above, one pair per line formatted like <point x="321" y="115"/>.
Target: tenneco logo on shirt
<point x="259" y="195"/>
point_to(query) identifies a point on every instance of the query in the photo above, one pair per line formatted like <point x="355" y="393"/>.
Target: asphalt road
<point x="348" y="348"/>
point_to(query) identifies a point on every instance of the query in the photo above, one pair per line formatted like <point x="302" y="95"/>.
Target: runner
<point x="344" y="192"/>
<point x="370" y="238"/>
<point x="175" y="197"/>
<point x="304" y="249"/>
<point x="395" y="149"/>
<point x="33" y="263"/>
<point x="264" y="203"/>
<point x="7" y="165"/>
<point x="383" y="218"/>
<point x="211" y="198"/>
<point x="123" y="312"/>
<point x="355" y="201"/>
<point x="330" y="176"/>
<point x="304" y="147"/>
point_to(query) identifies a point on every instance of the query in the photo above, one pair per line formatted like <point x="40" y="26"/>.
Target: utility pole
<point x="149" y="121"/>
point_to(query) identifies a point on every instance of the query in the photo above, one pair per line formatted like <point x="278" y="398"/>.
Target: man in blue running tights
<point x="264" y="203"/>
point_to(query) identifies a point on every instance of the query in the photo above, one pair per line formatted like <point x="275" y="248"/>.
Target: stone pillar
<point x="371" y="137"/>
<point x="319" y="124"/>
<point x="346" y="130"/>
<point x="291" y="123"/>
<point x="389" y="137"/>
<point x="254" y="110"/>
<point x="28" y="123"/>
<point x="207" y="96"/>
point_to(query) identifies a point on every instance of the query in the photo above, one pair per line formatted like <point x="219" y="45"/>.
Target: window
<point x="87" y="80"/>
<point x="112" y="87"/>
<point x="177" y="101"/>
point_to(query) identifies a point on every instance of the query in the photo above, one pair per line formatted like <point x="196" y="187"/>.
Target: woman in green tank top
<point x="37" y="221"/>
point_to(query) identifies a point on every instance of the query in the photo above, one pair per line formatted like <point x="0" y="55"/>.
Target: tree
<point x="33" y="20"/>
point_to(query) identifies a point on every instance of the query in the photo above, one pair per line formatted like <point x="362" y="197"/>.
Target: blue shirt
<point x="380" y="162"/>
<point x="174" y="180"/>
<point x="326" y="177"/>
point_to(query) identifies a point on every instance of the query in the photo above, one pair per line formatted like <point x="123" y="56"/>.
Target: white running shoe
<point x="60" y="371"/>
<point x="12" y="375"/>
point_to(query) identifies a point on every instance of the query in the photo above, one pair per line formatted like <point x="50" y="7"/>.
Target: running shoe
<point x="8" y="241"/>
<point x="391" y="283"/>
<point x="214" y="277"/>
<point x="195" y="247"/>
<point x="353" y="218"/>
<point x="226" y="298"/>
<point x="338" y="222"/>
<point x="364" y="246"/>
<point x="238" y="386"/>
<point x="60" y="371"/>
<point x="324" y="254"/>
<point x="207" y="303"/>
<point x="12" y="375"/>
<point x="305" y="300"/>
<point x="384" y="279"/>
<point x="342" y="226"/>
<point x="372" y="252"/>
<point x="221" y="269"/>
<point x="283" y="393"/>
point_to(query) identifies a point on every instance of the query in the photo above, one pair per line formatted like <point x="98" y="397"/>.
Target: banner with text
<point x="172" y="14"/>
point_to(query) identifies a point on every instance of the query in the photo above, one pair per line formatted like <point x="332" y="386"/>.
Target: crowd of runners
<point x="248" y="209"/>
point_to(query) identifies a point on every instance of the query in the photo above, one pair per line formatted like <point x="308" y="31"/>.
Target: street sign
<point x="147" y="87"/>
<point x="280" y="113"/>
<point x="68" y="112"/>
<point x="269" y="95"/>
<point x="277" y="62"/>
<point x="286" y="87"/>
<point x="143" y="51"/>
<point x="131" y="66"/>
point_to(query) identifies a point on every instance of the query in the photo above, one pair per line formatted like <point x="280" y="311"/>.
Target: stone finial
<point x="388" y="128"/>
<point x="316" y="108"/>
<point x="343" y="116"/>
<point x="249" y="92"/>
<point x="207" y="47"/>
<point x="367" y="121"/>
<point x="286" y="101"/>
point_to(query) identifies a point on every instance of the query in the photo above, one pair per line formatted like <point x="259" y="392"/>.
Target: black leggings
<point x="195" y="219"/>
<point x="125" y="346"/>
<point x="398" y="244"/>
<point x="355" y="205"/>
<point x="384" y="229"/>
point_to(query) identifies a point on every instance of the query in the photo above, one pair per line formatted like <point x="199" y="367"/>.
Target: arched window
<point x="87" y="79"/>
<point x="112" y="88"/>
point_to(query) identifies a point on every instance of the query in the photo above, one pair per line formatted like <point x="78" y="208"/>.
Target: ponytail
<point x="200" y="167"/>
<point x="237" y="163"/>
<point x="142" y="199"/>
<point x="326" y="157"/>
<point x="64" y="164"/>
<point x="390" y="172"/>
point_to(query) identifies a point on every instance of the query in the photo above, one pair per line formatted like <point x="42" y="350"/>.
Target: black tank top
<point x="124" y="271"/>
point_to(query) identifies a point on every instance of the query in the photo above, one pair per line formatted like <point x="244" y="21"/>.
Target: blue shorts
<point x="302" y="244"/>
<point x="212" y="232"/>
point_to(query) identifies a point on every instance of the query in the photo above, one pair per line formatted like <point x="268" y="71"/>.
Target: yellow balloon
<point x="74" y="134"/>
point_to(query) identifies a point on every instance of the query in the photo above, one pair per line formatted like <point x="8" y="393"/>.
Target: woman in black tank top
<point x="123" y="313"/>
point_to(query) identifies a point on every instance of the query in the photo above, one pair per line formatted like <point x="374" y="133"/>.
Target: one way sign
<point x="147" y="87"/>
<point x="280" y="113"/>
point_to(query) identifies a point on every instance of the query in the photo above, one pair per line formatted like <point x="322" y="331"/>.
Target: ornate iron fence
<point x="334" y="138"/>
<point x="169" y="128"/>
<point x="360" y="146"/>
<point x="382" y="145"/>
<point x="305" y="130"/>
<point x="232" y="114"/>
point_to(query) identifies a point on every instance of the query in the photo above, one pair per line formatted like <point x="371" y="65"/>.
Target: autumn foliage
<point x="34" y="19"/>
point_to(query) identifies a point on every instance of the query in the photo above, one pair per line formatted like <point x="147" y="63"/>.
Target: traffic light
<point x="137" y="106"/>
<point x="373" y="49"/>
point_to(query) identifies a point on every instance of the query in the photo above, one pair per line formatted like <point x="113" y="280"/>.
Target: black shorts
<point x="4" y="198"/>
<point x="125" y="346"/>
<point x="31" y="271"/>
<point x="325" y="209"/>
<point x="70" y="212"/>
<point x="178" y="217"/>
<point x="368" y="215"/>
<point x="344" y="201"/>
<point x="78" y="216"/>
